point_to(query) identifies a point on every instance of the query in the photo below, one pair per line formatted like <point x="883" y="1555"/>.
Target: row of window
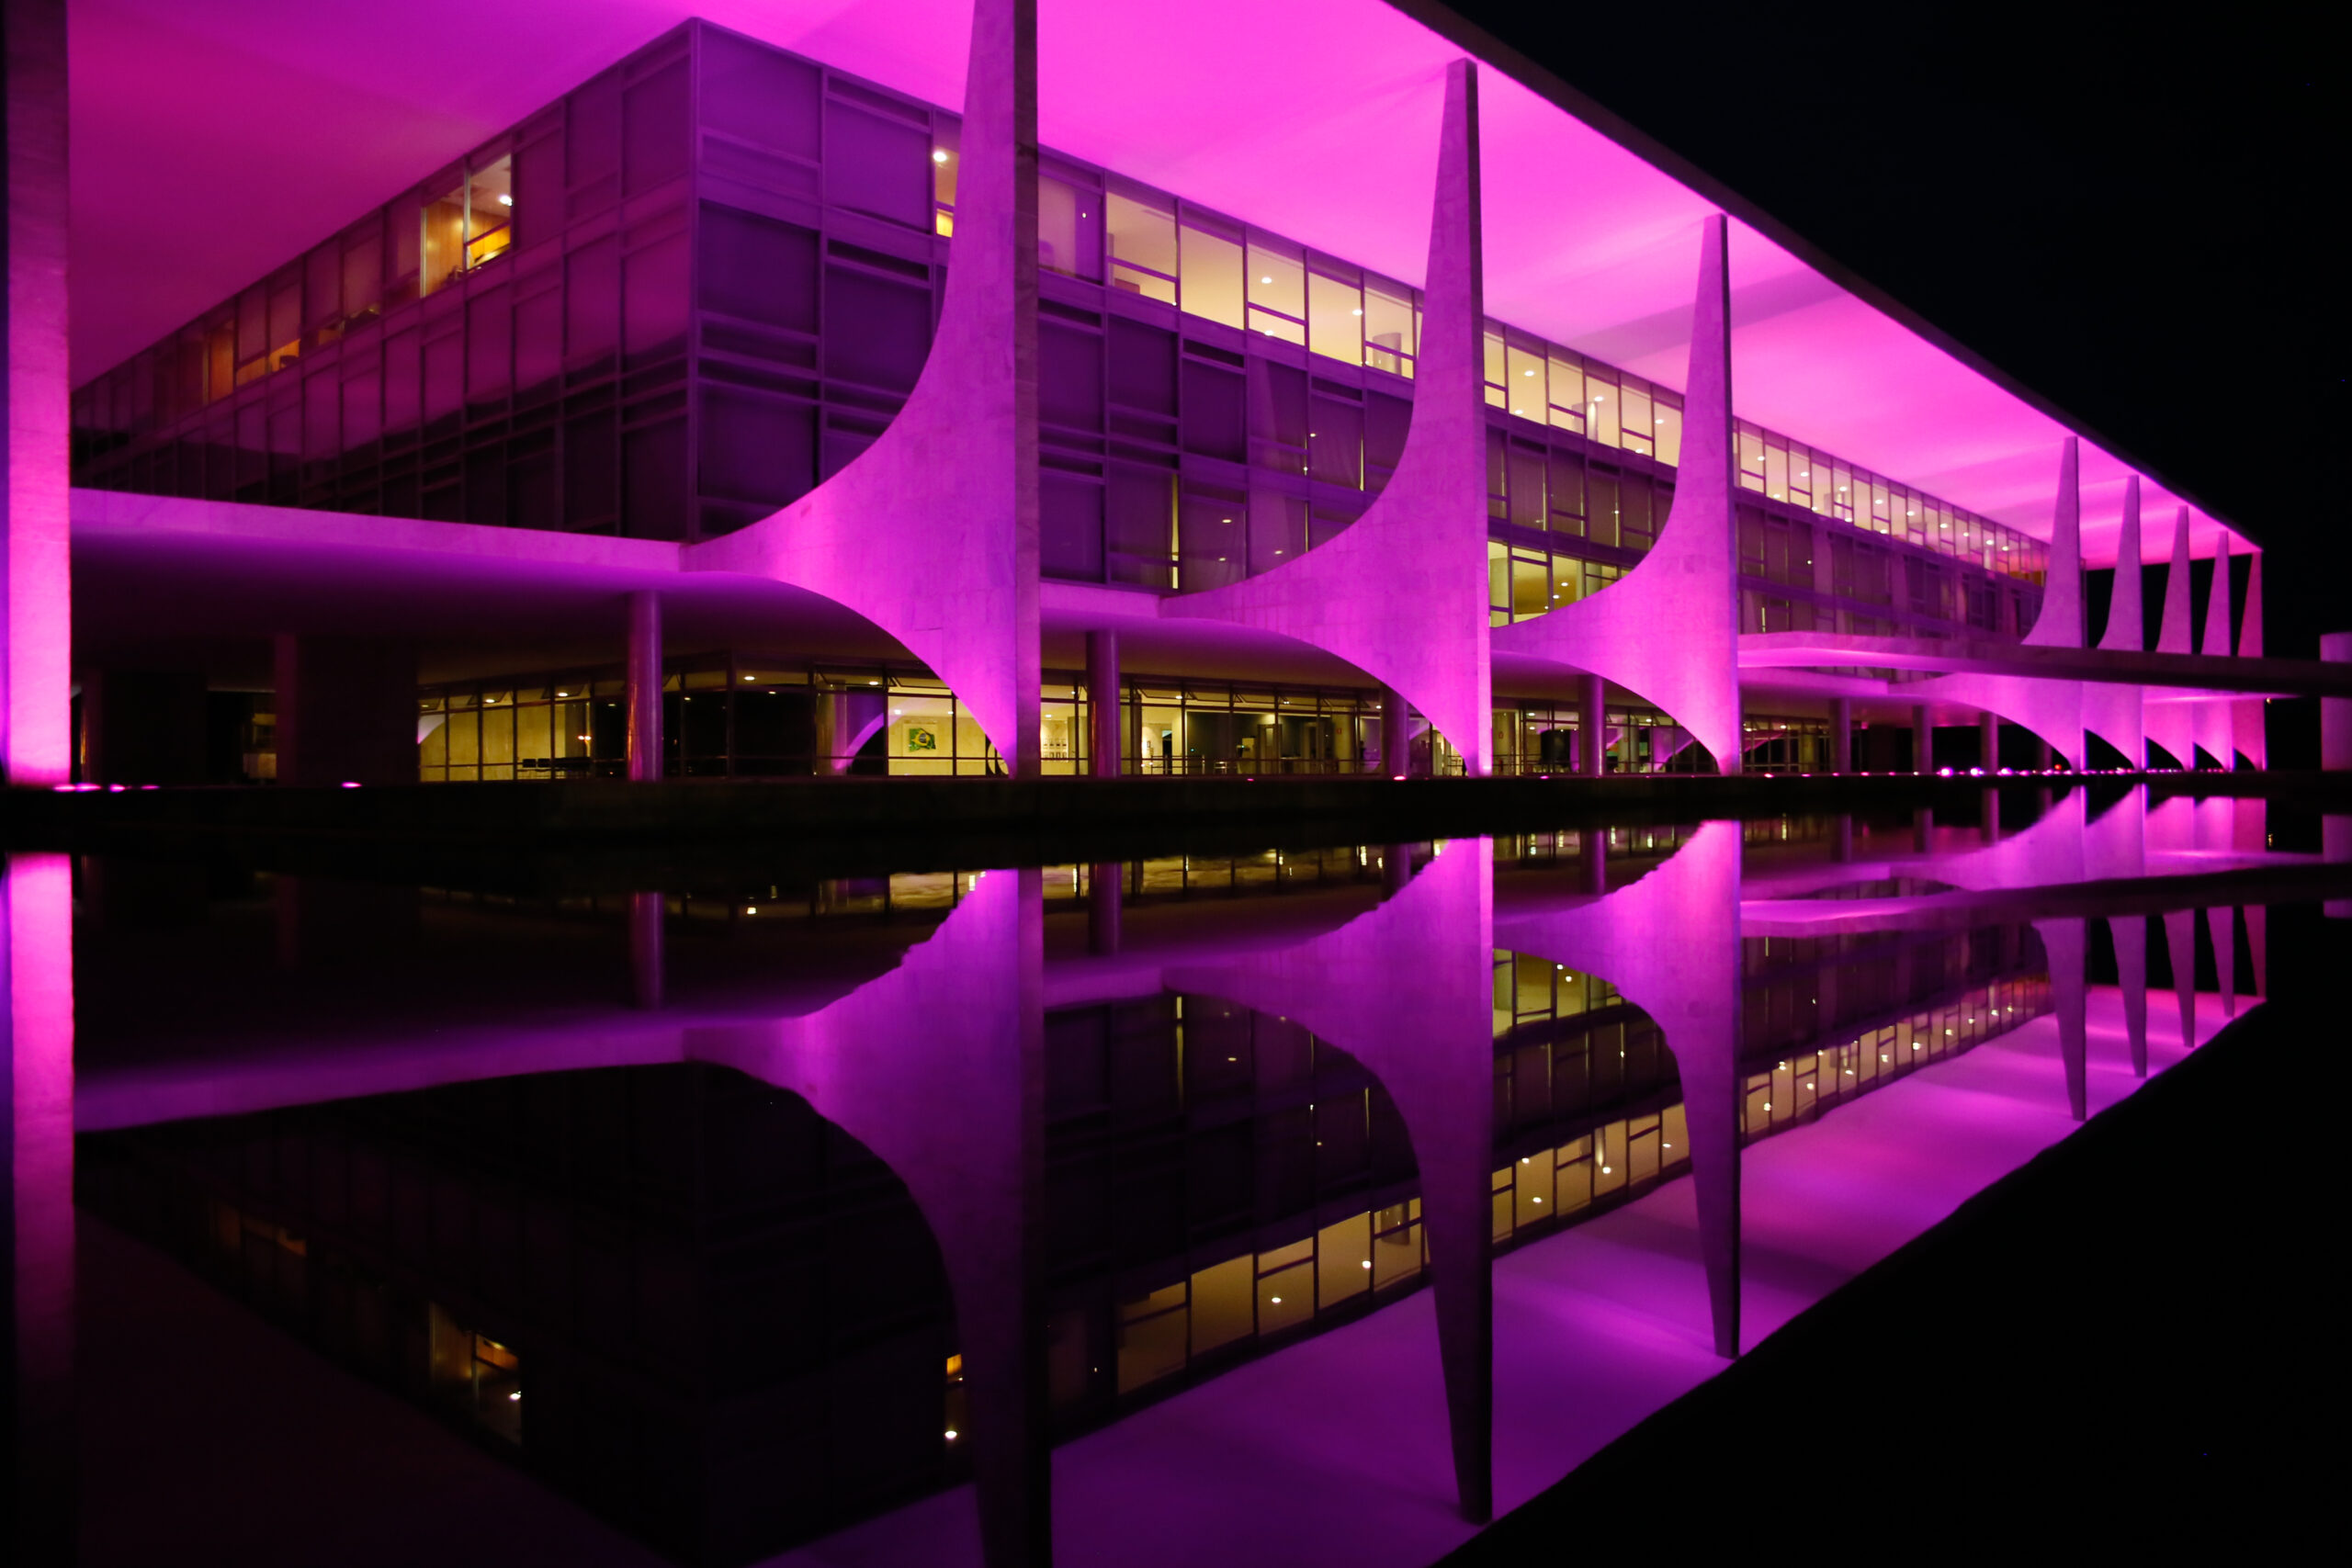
<point x="780" y="308"/>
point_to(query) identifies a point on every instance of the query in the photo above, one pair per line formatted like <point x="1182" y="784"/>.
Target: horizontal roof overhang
<point x="213" y="142"/>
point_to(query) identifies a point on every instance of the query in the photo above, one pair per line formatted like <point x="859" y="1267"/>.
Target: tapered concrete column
<point x="2180" y="946"/>
<point x="1669" y="630"/>
<point x="647" y="954"/>
<point x="1103" y="910"/>
<point x="932" y="532"/>
<point x="2167" y="724"/>
<point x="2215" y="726"/>
<point x="1841" y="735"/>
<point x="1988" y="742"/>
<point x="2221" y="927"/>
<point x="1407" y="988"/>
<point x="36" y="665"/>
<point x="1103" y="727"/>
<point x="2113" y="711"/>
<point x="2131" y="932"/>
<point x="142" y="727"/>
<point x="347" y="711"/>
<point x="644" y="686"/>
<point x="37" y="927"/>
<point x="1923" y="740"/>
<point x="2248" y="725"/>
<point x="1592" y="726"/>
<point x="1396" y="734"/>
<point x="2062" y="943"/>
<point x="2060" y="624"/>
<point x="1401" y="594"/>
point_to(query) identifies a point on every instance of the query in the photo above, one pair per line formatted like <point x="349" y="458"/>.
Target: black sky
<point x="2129" y="212"/>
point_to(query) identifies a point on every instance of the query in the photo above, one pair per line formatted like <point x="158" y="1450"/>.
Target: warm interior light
<point x="507" y="201"/>
<point x="939" y="156"/>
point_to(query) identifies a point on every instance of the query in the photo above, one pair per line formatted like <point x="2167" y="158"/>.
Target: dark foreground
<point x="2130" y="1344"/>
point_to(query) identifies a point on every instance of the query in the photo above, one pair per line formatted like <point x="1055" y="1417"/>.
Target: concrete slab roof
<point x="216" y="141"/>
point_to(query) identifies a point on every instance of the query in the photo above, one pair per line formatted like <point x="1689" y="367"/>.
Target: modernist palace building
<point x="809" y="395"/>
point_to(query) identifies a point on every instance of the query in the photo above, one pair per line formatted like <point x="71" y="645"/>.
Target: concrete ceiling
<point x="214" y="141"/>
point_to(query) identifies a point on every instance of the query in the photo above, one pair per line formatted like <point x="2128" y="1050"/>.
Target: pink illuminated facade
<point x="926" y="392"/>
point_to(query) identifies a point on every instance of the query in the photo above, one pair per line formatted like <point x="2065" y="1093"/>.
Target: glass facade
<point x="703" y="281"/>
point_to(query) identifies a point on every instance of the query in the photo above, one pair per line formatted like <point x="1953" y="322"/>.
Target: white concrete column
<point x="1104" y="721"/>
<point x="36" y="673"/>
<point x="1592" y="726"/>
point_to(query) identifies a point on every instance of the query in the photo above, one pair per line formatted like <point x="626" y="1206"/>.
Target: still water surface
<point x="1267" y="1209"/>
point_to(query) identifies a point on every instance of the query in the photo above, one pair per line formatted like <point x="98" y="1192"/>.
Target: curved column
<point x="1670" y="945"/>
<point x="2112" y="711"/>
<point x="2063" y="943"/>
<point x="2168" y="722"/>
<point x="2180" y="947"/>
<point x="938" y="1068"/>
<point x="2130" y="933"/>
<point x="1402" y="593"/>
<point x="2214" y="727"/>
<point x="932" y="533"/>
<point x="1686" y="582"/>
<point x="2248" y="732"/>
<point x="2053" y="710"/>
<point x="1407" y="990"/>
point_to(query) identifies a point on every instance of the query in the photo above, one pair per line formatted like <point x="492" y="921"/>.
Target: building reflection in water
<point x="742" y="1220"/>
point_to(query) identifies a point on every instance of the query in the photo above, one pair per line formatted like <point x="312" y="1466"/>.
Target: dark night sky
<point x="2128" y="216"/>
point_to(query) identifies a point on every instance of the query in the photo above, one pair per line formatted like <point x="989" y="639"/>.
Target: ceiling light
<point x="939" y="156"/>
<point x="507" y="201"/>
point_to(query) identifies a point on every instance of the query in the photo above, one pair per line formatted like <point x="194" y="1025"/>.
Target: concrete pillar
<point x="1988" y="742"/>
<point x="2126" y="632"/>
<point x="1670" y="629"/>
<point x="347" y="711"/>
<point x="647" y="951"/>
<point x="1402" y="593"/>
<point x="1105" y="727"/>
<point x="644" y="686"/>
<point x="142" y="727"/>
<point x="2059" y="624"/>
<point x="932" y="532"/>
<point x="2170" y="725"/>
<point x="1841" y="841"/>
<point x="1396" y="734"/>
<point x="1102" y="912"/>
<point x="1923" y="828"/>
<point x="2221" y="927"/>
<point x="1988" y="817"/>
<point x="1841" y="735"/>
<point x="2131" y="932"/>
<point x="2335" y="713"/>
<point x="1592" y="726"/>
<point x="36" y="960"/>
<point x="1592" y="848"/>
<point x="2062" y="943"/>
<point x="36" y="673"/>
<point x="2180" y="945"/>
<point x="1923" y="740"/>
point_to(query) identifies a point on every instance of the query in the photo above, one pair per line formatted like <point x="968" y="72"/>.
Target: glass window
<point x="1335" y="317"/>
<point x="489" y="211"/>
<point x="1523" y="383"/>
<point x="1388" y="321"/>
<point x="1497" y="374"/>
<point x="946" y="160"/>
<point x="1069" y="233"/>
<point x="1212" y="277"/>
<point x="1277" y="283"/>
<point x="1666" y="420"/>
<point x="1600" y="404"/>
<point x="444" y="221"/>
<point x="1143" y="247"/>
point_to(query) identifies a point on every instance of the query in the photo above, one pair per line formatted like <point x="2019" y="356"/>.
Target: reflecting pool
<point x="1303" y="1206"/>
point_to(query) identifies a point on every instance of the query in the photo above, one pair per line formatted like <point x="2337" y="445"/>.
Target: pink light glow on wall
<point x="212" y="143"/>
